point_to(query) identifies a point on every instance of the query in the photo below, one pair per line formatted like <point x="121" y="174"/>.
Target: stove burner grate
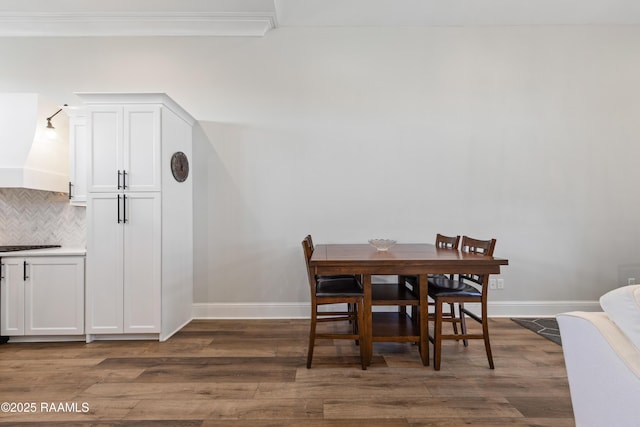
<point x="14" y="248"/>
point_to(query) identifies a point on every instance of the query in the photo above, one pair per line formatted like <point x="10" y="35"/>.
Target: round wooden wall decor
<point x="180" y="166"/>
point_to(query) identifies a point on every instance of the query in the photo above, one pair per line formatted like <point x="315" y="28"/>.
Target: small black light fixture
<point x="49" y="125"/>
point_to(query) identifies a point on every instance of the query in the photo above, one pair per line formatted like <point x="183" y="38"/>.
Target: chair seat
<point x="338" y="287"/>
<point x="441" y="286"/>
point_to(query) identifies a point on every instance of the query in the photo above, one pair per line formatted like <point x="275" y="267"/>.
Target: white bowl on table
<point x="382" y="244"/>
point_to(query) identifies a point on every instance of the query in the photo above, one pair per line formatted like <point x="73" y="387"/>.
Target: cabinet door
<point x="78" y="159"/>
<point x="104" y="294"/>
<point x="142" y="263"/>
<point x="12" y="297"/>
<point x="142" y="148"/>
<point x="105" y="148"/>
<point x="54" y="296"/>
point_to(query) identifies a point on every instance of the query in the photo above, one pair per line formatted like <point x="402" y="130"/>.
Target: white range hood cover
<point x="30" y="157"/>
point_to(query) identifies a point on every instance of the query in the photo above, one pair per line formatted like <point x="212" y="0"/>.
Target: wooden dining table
<point x="415" y="259"/>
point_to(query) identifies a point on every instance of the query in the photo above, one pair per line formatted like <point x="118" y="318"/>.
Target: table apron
<point x="407" y="270"/>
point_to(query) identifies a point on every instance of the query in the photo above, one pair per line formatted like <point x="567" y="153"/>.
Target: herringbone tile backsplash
<point x="33" y="217"/>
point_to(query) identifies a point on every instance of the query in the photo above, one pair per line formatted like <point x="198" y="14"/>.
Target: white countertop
<point x="64" y="251"/>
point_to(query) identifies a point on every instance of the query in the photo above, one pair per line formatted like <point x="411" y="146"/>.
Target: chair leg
<point x="452" y="310"/>
<point x="463" y="323"/>
<point x="312" y="335"/>
<point x="437" y="336"/>
<point x="355" y="311"/>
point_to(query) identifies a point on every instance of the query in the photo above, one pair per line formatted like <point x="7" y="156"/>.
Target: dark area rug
<point x="544" y="326"/>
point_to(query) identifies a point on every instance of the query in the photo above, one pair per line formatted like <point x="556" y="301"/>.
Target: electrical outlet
<point x="492" y="283"/>
<point x="631" y="281"/>
<point x="500" y="283"/>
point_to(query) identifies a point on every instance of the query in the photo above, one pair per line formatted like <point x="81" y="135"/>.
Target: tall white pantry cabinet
<point x="139" y="262"/>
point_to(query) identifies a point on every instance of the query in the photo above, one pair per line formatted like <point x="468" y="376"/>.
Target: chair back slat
<point x="446" y="242"/>
<point x="310" y="240"/>
<point x="485" y="247"/>
<point x="308" y="252"/>
<point x="471" y="245"/>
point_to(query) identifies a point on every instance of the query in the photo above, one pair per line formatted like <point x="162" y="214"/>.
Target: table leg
<point x="368" y="319"/>
<point x="424" y="319"/>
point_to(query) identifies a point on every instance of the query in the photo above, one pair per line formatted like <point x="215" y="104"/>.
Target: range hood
<point x="31" y="157"/>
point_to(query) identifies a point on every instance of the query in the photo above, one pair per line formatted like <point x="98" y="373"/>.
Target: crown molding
<point x="60" y="24"/>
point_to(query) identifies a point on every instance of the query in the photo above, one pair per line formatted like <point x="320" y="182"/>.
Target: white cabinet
<point x="77" y="156"/>
<point x="42" y="296"/>
<point x="124" y="263"/>
<point x="139" y="218"/>
<point x="124" y="148"/>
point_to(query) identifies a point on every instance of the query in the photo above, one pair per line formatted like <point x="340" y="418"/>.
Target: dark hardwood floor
<point x="232" y="373"/>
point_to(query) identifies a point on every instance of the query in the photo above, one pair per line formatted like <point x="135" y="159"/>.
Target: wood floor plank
<point x="240" y="409"/>
<point x="99" y="409"/>
<point x="492" y="422"/>
<point x="550" y="406"/>
<point x="397" y="407"/>
<point x="176" y="391"/>
<point x="320" y="389"/>
<point x="495" y="387"/>
<point x="306" y="422"/>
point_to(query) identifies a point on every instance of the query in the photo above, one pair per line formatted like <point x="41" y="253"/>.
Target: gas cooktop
<point x="14" y="248"/>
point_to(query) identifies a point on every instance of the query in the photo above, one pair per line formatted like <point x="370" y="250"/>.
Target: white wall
<point x="526" y="134"/>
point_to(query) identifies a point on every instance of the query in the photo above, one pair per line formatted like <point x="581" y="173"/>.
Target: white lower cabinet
<point x="123" y="263"/>
<point x="42" y="296"/>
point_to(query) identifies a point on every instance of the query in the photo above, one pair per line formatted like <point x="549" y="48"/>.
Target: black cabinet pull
<point x="119" y="221"/>
<point x="24" y="271"/>
<point x="1" y="276"/>
<point x="70" y="190"/>
<point x="124" y="179"/>
<point x="119" y="175"/>
<point x="124" y="209"/>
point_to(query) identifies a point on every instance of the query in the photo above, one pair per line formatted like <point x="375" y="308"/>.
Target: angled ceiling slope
<point x="81" y="18"/>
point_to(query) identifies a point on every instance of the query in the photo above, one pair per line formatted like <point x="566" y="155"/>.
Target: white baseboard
<point x="165" y="336"/>
<point x="301" y="310"/>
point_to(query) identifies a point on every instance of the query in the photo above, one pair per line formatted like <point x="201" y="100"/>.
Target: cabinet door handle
<point x="119" y="175"/>
<point x="24" y="271"/>
<point x="70" y="190"/>
<point x="124" y="180"/>
<point x="124" y="209"/>
<point x="1" y="276"/>
<point x="119" y="220"/>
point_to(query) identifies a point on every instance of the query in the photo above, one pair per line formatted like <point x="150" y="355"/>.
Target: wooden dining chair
<point x="467" y="288"/>
<point x="442" y="242"/>
<point x="327" y="290"/>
